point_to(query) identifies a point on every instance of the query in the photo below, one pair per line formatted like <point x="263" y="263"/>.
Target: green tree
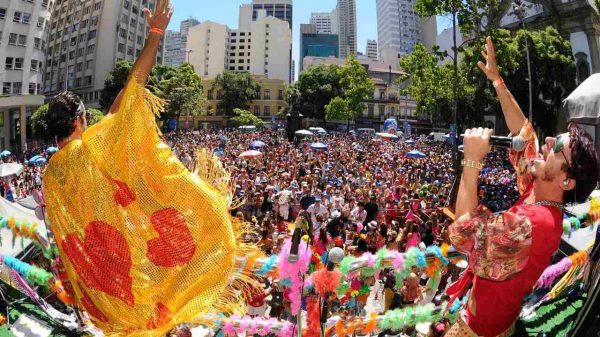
<point x="183" y="90"/>
<point x="95" y="116"/>
<point x="245" y="117"/>
<point x="553" y="73"/>
<point x="356" y="86"/>
<point x="316" y="87"/>
<point x="116" y="79"/>
<point x="234" y="90"/>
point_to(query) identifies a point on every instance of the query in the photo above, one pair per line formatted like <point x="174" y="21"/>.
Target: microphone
<point x="516" y="143"/>
<point x="296" y="236"/>
<point x="335" y="256"/>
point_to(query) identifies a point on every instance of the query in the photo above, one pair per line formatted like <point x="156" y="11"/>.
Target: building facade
<point x="176" y="43"/>
<point x="372" y="50"/>
<point x="325" y="22"/>
<point x="398" y="26"/>
<point x="347" y="25"/>
<point x="23" y="28"/>
<point x="270" y="99"/>
<point x="262" y="50"/>
<point x="386" y="101"/>
<point x="313" y="43"/>
<point x="87" y="39"/>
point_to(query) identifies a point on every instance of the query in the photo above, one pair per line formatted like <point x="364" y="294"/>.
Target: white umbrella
<point x="303" y="133"/>
<point x="10" y="169"/>
<point x="583" y="104"/>
<point x="250" y="154"/>
<point x="386" y="135"/>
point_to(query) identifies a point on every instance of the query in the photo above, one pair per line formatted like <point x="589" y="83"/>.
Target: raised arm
<point x="512" y="112"/>
<point x="147" y="59"/>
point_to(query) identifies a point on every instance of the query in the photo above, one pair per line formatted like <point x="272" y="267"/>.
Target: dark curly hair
<point x="62" y="111"/>
<point x="584" y="164"/>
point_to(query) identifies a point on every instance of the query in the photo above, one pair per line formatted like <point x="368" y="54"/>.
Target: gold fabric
<point x="146" y="243"/>
<point x="461" y="329"/>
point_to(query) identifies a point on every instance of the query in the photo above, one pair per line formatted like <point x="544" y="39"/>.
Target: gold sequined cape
<point x="146" y="243"/>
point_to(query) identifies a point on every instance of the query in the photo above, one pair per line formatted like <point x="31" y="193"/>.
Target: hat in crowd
<point x="317" y="198"/>
<point x="338" y="242"/>
<point x="373" y="224"/>
<point x="336" y="214"/>
<point x="304" y="184"/>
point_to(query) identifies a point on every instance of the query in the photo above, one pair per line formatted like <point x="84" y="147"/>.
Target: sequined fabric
<point x="146" y="243"/>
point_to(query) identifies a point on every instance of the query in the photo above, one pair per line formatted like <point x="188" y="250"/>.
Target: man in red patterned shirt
<point x="508" y="251"/>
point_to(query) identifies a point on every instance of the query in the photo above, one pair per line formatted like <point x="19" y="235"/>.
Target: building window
<point x="267" y="94"/>
<point x="121" y="47"/>
<point x="84" y="23"/>
<point x="129" y="50"/>
<point x="256" y="110"/>
<point x="280" y="94"/>
<point x="87" y="10"/>
<point x="97" y="6"/>
<point x="88" y="64"/>
<point x="240" y="67"/>
<point x="267" y="110"/>
<point x="19" y="63"/>
<point x="91" y="48"/>
<point x="82" y="37"/>
<point x="9" y="63"/>
<point x="95" y="21"/>
<point x="6" y="88"/>
<point x="17" y="16"/>
<point x="2" y="13"/>
<point x="12" y="39"/>
<point x="88" y="80"/>
<point x="22" y="40"/>
<point x="41" y="22"/>
<point x="32" y="87"/>
<point x="17" y="88"/>
<point x="371" y="111"/>
<point x="122" y="33"/>
<point x="34" y="65"/>
<point x="92" y="34"/>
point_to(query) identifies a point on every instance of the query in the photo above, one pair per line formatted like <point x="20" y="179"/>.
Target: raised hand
<point x="490" y="69"/>
<point x="162" y="15"/>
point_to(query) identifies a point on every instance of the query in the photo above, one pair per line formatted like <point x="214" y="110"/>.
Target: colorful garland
<point x="574" y="223"/>
<point x="25" y="230"/>
<point x="555" y="270"/>
<point x="37" y="276"/>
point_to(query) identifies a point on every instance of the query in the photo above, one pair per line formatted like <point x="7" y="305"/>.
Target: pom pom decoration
<point x="293" y="271"/>
<point x="326" y="281"/>
<point x="313" y="317"/>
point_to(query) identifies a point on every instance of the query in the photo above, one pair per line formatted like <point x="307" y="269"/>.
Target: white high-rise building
<point x="398" y="26"/>
<point x="23" y="28"/>
<point x="347" y="24"/>
<point x="262" y="50"/>
<point x="175" y="44"/>
<point x="325" y="22"/>
<point x="371" y="51"/>
<point x="87" y="40"/>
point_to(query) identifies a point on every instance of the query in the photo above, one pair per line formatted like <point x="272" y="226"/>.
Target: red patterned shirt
<point x="508" y="251"/>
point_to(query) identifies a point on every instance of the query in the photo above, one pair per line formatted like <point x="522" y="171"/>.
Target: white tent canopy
<point x="583" y="104"/>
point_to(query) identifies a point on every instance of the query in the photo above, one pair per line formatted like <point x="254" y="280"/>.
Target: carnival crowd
<point x="360" y="194"/>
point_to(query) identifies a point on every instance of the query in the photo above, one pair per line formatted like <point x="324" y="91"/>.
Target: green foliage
<point x="95" y="116"/>
<point x="245" y="117"/>
<point x="183" y="90"/>
<point x="316" y="87"/>
<point x="115" y="81"/>
<point x="38" y="122"/>
<point x="552" y="67"/>
<point x="236" y="90"/>
<point x="356" y="88"/>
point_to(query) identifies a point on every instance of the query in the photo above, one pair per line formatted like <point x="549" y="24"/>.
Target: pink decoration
<point x="398" y="261"/>
<point x="287" y="330"/>
<point x="244" y="324"/>
<point x="552" y="272"/>
<point x="267" y="325"/>
<point x="370" y="259"/>
<point x="293" y="271"/>
<point x="228" y="329"/>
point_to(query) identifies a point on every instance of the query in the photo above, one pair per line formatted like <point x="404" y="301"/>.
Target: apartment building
<point x="23" y="27"/>
<point x="176" y="42"/>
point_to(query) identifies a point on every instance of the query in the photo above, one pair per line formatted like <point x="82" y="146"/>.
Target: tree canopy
<point x="356" y="88"/>
<point x="245" y="117"/>
<point x="316" y="87"/>
<point x="183" y="90"/>
<point x="234" y="90"/>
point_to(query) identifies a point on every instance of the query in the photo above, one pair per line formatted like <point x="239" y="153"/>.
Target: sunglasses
<point x="559" y="145"/>
<point x="81" y="112"/>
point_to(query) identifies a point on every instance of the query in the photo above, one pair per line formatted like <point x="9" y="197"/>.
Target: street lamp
<point x="520" y="11"/>
<point x="188" y="54"/>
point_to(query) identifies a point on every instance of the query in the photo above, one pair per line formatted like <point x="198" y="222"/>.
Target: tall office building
<point x="88" y="38"/>
<point x="23" y="27"/>
<point x="347" y="22"/>
<point x="325" y="22"/>
<point x="398" y="26"/>
<point x="371" y="51"/>
<point x="175" y="43"/>
<point x="261" y="50"/>
<point x="314" y="44"/>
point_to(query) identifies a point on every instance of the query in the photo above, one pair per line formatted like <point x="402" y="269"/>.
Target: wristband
<point x="157" y="31"/>
<point x="497" y="83"/>
<point x="472" y="163"/>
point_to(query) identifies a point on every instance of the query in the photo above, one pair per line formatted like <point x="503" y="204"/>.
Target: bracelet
<point x="157" y="31"/>
<point x="472" y="163"/>
<point x="497" y="83"/>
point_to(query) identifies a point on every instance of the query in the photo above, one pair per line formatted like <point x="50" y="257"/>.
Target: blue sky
<point x="226" y="12"/>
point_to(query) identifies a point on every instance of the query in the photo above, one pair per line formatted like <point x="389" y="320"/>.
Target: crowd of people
<point x="17" y="187"/>
<point x="360" y="194"/>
